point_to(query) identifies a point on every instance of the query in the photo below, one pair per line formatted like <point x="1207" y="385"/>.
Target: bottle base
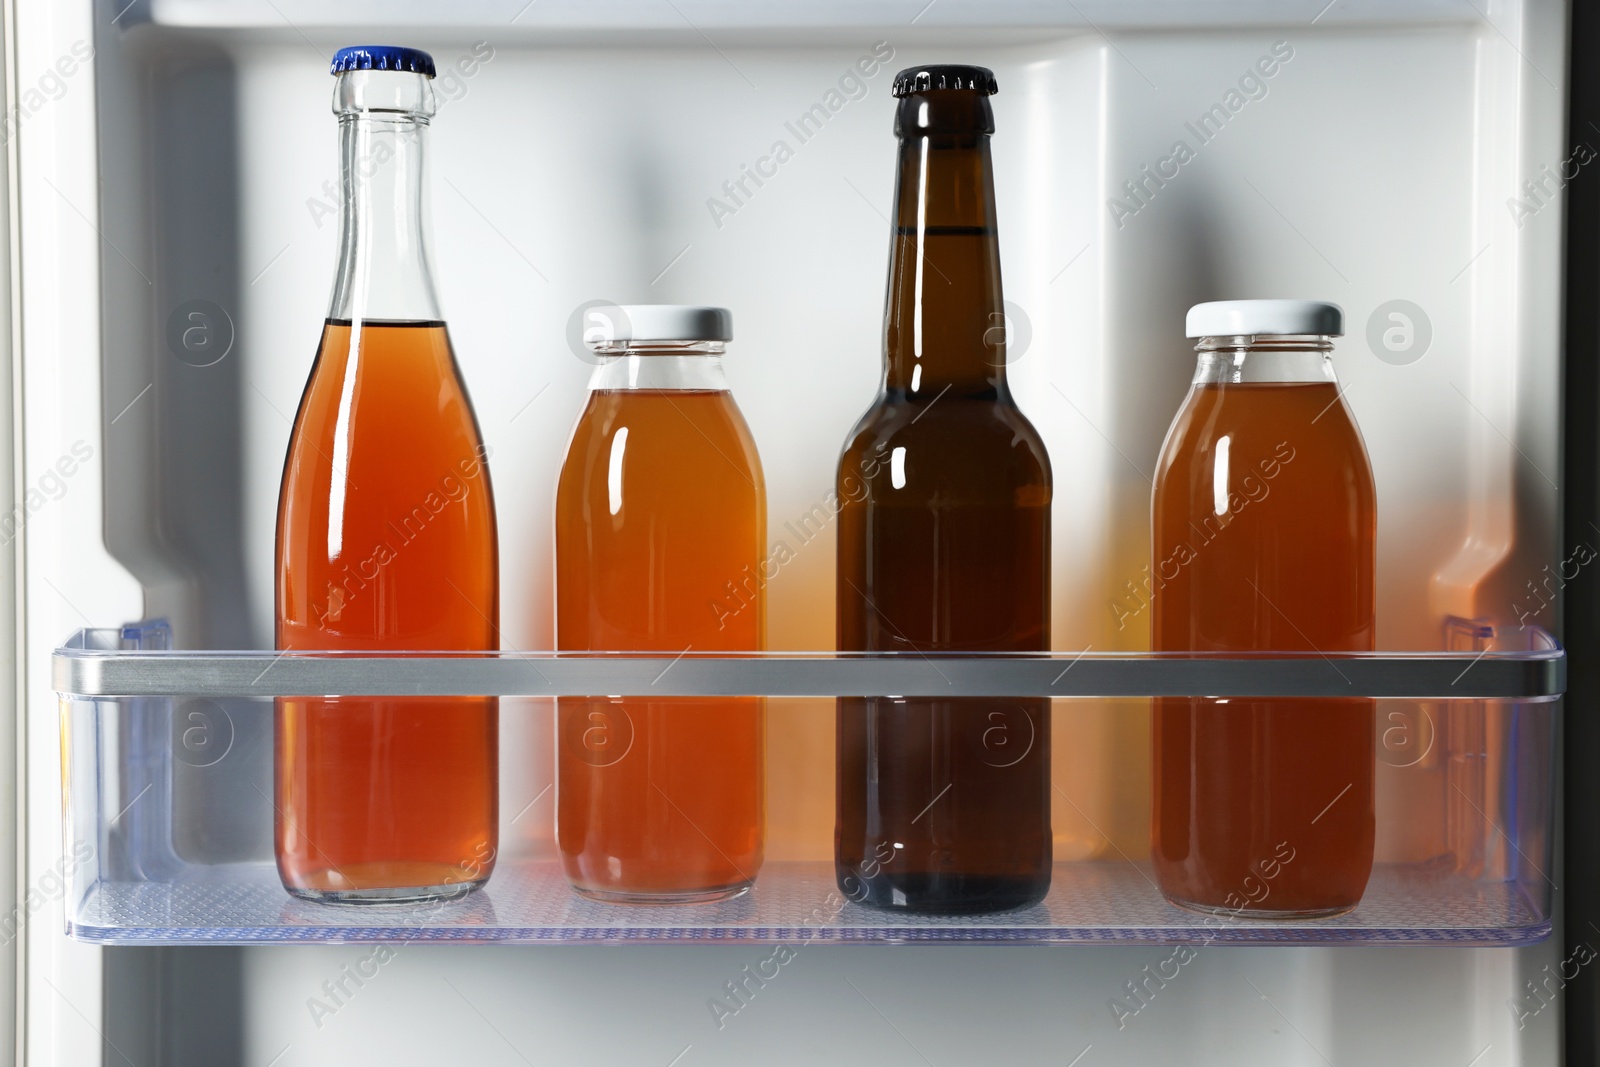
<point x="422" y="894"/>
<point x="663" y="897"/>
<point x="945" y="894"/>
<point x="1271" y="914"/>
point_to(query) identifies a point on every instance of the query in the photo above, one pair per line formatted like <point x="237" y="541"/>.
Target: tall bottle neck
<point x="945" y="327"/>
<point x="385" y="248"/>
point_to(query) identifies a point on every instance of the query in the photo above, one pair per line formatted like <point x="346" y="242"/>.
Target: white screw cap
<point x="608" y="323"/>
<point x="1235" y="318"/>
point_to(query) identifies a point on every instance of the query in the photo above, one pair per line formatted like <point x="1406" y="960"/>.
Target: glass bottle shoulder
<point x="1263" y="423"/>
<point x="388" y="373"/>
<point x="386" y="417"/>
<point x="966" y="447"/>
<point x="680" y="427"/>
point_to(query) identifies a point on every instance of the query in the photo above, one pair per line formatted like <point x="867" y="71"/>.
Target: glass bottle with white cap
<point x="1263" y="539"/>
<point x="660" y="547"/>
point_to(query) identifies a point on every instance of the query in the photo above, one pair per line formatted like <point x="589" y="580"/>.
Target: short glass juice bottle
<point x="386" y="538"/>
<point x="1264" y="534"/>
<point x="660" y="540"/>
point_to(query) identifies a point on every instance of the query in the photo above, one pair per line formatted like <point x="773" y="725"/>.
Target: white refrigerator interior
<point x="603" y="151"/>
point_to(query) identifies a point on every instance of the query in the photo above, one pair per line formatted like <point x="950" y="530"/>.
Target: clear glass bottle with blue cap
<point x="386" y="537"/>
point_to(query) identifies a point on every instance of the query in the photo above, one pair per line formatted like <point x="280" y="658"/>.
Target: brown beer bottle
<point x="944" y="544"/>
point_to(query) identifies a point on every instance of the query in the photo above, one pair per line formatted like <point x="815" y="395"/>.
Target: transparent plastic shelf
<point x="168" y="760"/>
<point x="83" y="669"/>
<point x="528" y="901"/>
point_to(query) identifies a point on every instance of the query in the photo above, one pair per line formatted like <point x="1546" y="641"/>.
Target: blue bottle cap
<point x="382" y="57"/>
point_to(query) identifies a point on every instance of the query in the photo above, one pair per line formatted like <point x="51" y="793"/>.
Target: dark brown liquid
<point x="1264" y="805"/>
<point x="944" y="542"/>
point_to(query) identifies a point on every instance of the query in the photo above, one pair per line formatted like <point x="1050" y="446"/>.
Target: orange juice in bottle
<point x="660" y="544"/>
<point x="1264" y="533"/>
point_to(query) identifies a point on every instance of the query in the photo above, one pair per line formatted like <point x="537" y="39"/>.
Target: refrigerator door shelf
<point x="1535" y="669"/>
<point x="169" y="769"/>
<point x="528" y="902"/>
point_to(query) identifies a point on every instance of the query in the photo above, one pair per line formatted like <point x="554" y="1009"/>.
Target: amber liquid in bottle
<point x="1264" y="534"/>
<point x="944" y="546"/>
<point x="386" y="542"/>
<point x="660" y="537"/>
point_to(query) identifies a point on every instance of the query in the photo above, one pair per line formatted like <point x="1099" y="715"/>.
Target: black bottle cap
<point x="945" y="76"/>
